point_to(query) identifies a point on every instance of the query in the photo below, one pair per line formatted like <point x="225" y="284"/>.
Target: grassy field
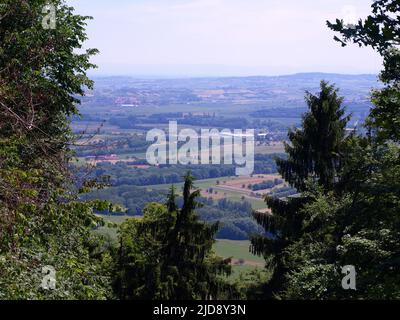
<point x="237" y="250"/>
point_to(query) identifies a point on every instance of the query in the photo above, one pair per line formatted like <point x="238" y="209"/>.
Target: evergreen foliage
<point x="168" y="254"/>
<point x="315" y="155"/>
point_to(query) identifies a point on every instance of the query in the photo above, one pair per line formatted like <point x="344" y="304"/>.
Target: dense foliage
<point x="348" y="211"/>
<point x="168" y="254"/>
<point x="42" y="223"/>
<point x="314" y="155"/>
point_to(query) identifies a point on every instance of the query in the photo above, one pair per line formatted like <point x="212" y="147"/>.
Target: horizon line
<point x="177" y="77"/>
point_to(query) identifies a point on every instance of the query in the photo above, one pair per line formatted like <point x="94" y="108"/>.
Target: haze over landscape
<point x="211" y="64"/>
<point x="186" y="38"/>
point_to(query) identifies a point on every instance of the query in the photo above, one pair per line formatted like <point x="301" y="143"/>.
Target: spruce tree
<point x="315" y="149"/>
<point x="314" y="154"/>
<point x="168" y="254"/>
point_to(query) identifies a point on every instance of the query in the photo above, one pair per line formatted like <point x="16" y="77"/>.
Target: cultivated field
<point x="230" y="188"/>
<point x="236" y="189"/>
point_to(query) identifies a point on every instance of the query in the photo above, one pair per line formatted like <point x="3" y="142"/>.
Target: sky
<point x="186" y="38"/>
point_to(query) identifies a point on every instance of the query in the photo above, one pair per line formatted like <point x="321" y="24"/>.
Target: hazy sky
<point x="223" y="37"/>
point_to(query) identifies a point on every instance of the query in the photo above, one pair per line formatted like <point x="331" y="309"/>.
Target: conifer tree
<point x="168" y="254"/>
<point x="314" y="154"/>
<point x="315" y="149"/>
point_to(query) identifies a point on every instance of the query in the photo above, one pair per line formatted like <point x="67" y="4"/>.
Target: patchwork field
<point x="236" y="189"/>
<point x="232" y="188"/>
<point x="218" y="192"/>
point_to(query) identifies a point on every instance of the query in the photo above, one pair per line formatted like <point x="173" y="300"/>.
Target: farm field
<point x="230" y="188"/>
<point x="237" y="250"/>
<point x="277" y="147"/>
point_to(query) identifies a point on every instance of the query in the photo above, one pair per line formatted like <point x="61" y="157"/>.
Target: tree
<point x="359" y="223"/>
<point x="315" y="149"/>
<point x="42" y="221"/>
<point x="357" y="226"/>
<point x="168" y="254"/>
<point x="314" y="154"/>
<point x="381" y="31"/>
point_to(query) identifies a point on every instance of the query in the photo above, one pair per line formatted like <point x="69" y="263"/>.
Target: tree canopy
<point x="168" y="253"/>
